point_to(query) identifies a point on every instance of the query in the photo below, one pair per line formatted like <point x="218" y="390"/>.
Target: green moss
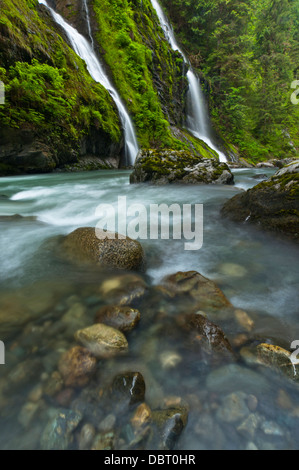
<point x="134" y="48"/>
<point x="47" y="85"/>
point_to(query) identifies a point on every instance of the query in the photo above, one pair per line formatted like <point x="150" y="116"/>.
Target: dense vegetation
<point x="247" y="51"/>
<point x="47" y="85"/>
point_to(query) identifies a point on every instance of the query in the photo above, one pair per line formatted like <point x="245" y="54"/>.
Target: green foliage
<point x="247" y="50"/>
<point x="47" y="85"/>
<point x="128" y="36"/>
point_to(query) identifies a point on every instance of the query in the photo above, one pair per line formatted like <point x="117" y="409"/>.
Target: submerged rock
<point x="77" y="366"/>
<point x="170" y="423"/>
<point x="142" y="416"/>
<point x="209" y="335"/>
<point x="179" y="166"/>
<point x="102" y="341"/>
<point x="128" y="387"/>
<point x="122" y="318"/>
<point x="128" y="289"/>
<point x="86" y="437"/>
<point x="272" y="204"/>
<point x="104" y="441"/>
<point x="92" y="246"/>
<point x="203" y="291"/>
<point x="19" y="307"/>
<point x="58" y="434"/>
<point x="279" y="359"/>
<point x="235" y="377"/>
<point x="233" y="408"/>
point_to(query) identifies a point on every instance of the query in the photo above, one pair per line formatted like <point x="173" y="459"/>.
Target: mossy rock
<point x="179" y="166"/>
<point x="92" y="246"/>
<point x="272" y="204"/>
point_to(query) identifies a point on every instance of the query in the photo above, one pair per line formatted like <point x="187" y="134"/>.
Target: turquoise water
<point x="257" y="272"/>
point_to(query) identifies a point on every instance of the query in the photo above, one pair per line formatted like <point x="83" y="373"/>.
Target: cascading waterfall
<point x="84" y="50"/>
<point x="197" y="119"/>
<point x="88" y="23"/>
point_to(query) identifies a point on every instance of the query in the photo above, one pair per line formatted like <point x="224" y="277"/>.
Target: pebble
<point x="252" y="402"/>
<point x="86" y="436"/>
<point x="27" y="413"/>
<point x="108" y="423"/>
<point x="128" y="387"/>
<point x="122" y="318"/>
<point x="249" y="426"/>
<point x="244" y="320"/>
<point x="234" y="408"/>
<point x="283" y="400"/>
<point x="77" y="366"/>
<point x="251" y="446"/>
<point x="53" y="384"/>
<point x="104" y="441"/>
<point x="271" y="428"/>
<point x="232" y="270"/>
<point x="36" y="393"/>
<point x="170" y="359"/>
<point x="102" y="341"/>
<point x="142" y="416"/>
<point x="58" y="434"/>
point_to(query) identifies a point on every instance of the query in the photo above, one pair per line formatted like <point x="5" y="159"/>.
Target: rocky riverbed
<point x="169" y="358"/>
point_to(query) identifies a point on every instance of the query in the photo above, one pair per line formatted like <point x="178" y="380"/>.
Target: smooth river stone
<point x="122" y="318"/>
<point x="102" y="341"/>
<point x="76" y="366"/>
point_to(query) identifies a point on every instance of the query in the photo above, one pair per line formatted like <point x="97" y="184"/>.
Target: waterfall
<point x="88" y="23"/>
<point x="84" y="50"/>
<point x="197" y="120"/>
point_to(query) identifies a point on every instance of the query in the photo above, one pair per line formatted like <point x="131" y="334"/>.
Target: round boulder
<point x="76" y="366"/>
<point x="102" y="341"/>
<point x="95" y="246"/>
<point x="122" y="318"/>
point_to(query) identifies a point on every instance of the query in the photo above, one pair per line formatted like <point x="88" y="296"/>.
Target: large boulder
<point x="272" y="204"/>
<point x="179" y="166"/>
<point x="89" y="245"/>
<point x="205" y="293"/>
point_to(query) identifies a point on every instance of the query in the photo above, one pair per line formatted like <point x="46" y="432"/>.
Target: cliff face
<point x="149" y="76"/>
<point x="56" y="115"/>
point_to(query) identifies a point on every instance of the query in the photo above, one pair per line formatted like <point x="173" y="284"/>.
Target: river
<point x="256" y="271"/>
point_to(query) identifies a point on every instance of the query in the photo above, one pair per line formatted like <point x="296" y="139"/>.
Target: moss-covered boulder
<point x="179" y="166"/>
<point x="92" y="246"/>
<point x="272" y="204"/>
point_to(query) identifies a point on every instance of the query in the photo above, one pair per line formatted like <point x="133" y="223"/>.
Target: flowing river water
<point x="257" y="272"/>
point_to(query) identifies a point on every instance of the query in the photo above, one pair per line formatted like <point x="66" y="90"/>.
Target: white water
<point x="88" y="23"/>
<point x="197" y="120"/>
<point x="84" y="50"/>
